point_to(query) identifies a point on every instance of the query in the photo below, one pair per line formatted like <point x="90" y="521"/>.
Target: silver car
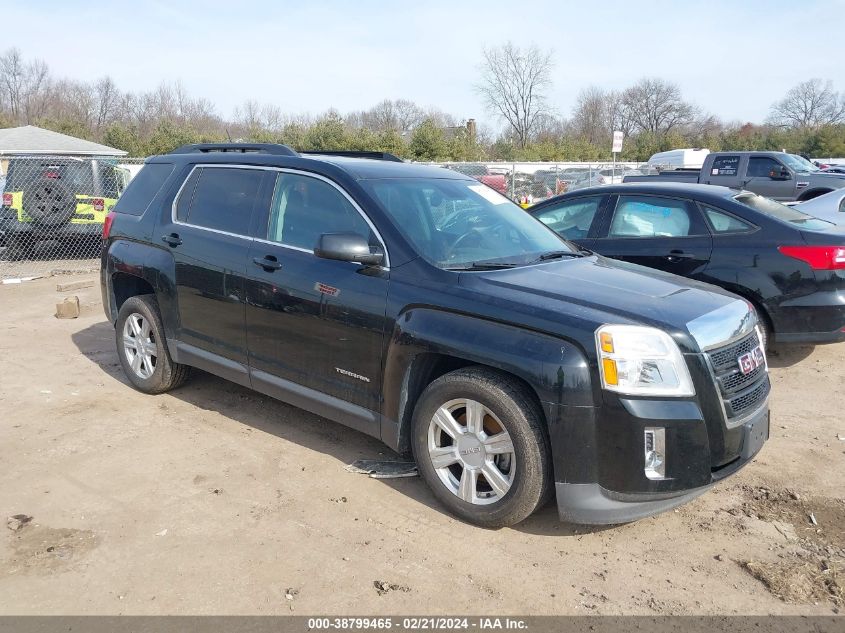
<point x="829" y="206"/>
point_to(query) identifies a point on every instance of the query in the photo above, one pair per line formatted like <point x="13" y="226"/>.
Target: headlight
<point x="641" y="361"/>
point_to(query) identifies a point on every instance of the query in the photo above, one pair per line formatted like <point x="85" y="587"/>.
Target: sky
<point x="733" y="59"/>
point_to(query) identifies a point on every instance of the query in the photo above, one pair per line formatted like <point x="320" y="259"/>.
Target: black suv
<point x="419" y="306"/>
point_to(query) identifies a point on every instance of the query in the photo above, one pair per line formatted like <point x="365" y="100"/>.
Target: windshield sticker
<point x="488" y="194"/>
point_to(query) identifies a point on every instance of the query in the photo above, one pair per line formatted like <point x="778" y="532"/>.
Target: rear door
<point x="662" y="232"/>
<point x="208" y="235"/>
<point x="726" y="170"/>
<point x="313" y="322"/>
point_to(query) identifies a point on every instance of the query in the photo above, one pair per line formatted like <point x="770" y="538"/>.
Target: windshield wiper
<point x="560" y="255"/>
<point x="485" y="266"/>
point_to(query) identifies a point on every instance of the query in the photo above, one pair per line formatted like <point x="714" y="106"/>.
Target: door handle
<point x="173" y="239"/>
<point x="678" y="255"/>
<point x="268" y="263"/>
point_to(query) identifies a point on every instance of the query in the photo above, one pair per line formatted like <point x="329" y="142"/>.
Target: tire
<point x="505" y="417"/>
<point x="149" y="368"/>
<point x="48" y="202"/>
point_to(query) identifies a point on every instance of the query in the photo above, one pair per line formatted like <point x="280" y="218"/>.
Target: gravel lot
<point x="217" y="500"/>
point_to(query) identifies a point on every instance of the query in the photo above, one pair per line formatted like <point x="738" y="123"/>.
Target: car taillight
<point x="98" y="203"/>
<point x="107" y="225"/>
<point x="7" y="200"/>
<point x="818" y="257"/>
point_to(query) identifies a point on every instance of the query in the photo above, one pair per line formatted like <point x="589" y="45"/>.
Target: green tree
<point x="123" y="137"/>
<point x="428" y="143"/>
<point x="168" y="136"/>
<point x="328" y="133"/>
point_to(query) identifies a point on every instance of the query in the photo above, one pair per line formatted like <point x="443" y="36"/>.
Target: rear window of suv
<point x="143" y="188"/>
<point x="782" y="212"/>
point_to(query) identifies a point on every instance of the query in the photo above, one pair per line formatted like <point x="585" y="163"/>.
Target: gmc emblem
<point x="751" y="361"/>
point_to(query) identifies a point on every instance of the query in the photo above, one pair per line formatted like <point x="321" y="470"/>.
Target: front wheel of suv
<point x="142" y="348"/>
<point x="480" y="445"/>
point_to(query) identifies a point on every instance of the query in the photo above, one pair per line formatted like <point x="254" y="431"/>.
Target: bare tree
<point x="808" y="105"/>
<point x="591" y="116"/>
<point x="513" y="85"/>
<point x="107" y="101"/>
<point x="25" y="86"/>
<point x="656" y="106"/>
<point x="400" y="115"/>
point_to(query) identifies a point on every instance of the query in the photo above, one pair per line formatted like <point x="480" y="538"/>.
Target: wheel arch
<point x="427" y="344"/>
<point x="812" y="193"/>
<point x="125" y="285"/>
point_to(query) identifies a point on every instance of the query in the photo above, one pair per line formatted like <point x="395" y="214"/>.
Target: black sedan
<point x="790" y="265"/>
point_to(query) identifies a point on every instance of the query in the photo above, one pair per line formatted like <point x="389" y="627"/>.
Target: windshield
<point x="797" y="163"/>
<point x="781" y="212"/>
<point x="461" y="223"/>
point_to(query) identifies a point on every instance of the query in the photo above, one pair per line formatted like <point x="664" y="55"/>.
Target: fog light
<point x="655" y="453"/>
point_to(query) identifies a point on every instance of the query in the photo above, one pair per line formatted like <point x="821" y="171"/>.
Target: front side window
<point x="762" y="166"/>
<point x="460" y="224"/>
<point x="304" y="208"/>
<point x="224" y="198"/>
<point x="571" y="219"/>
<point x="646" y="216"/>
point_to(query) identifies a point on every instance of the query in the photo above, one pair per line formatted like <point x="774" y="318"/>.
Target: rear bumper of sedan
<point x="815" y="318"/>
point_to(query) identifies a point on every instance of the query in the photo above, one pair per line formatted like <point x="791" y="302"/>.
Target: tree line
<point x="513" y="83"/>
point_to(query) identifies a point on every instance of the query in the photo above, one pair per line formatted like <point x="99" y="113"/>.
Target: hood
<point x="825" y="176"/>
<point x="594" y="290"/>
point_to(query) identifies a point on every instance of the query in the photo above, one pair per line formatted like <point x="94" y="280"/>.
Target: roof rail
<point x="355" y="154"/>
<point x="243" y="148"/>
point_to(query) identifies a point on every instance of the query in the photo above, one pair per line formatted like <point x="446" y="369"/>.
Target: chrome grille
<point x="741" y="393"/>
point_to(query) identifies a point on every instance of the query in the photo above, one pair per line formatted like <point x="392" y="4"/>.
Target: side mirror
<point x="347" y="247"/>
<point x="780" y="173"/>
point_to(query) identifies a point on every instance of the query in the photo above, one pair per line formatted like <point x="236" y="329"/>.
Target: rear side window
<point x="143" y="188"/>
<point x="224" y="198"/>
<point x="725" y="166"/>
<point x="646" y="216"/>
<point x="725" y="223"/>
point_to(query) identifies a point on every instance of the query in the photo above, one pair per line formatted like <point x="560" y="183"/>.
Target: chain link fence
<point x="53" y="208"/>
<point x="529" y="183"/>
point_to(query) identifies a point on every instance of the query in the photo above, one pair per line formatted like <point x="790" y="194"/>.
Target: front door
<point x="659" y="232"/>
<point x="759" y="180"/>
<point x="312" y="322"/>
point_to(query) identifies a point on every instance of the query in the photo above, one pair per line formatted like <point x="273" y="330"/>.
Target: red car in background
<point x="482" y="174"/>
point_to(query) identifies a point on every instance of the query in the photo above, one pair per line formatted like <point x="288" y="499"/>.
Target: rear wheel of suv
<point x="142" y="349"/>
<point x="480" y="445"/>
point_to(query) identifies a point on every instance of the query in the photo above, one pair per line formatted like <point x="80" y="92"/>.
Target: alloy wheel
<point x="139" y="345"/>
<point x="471" y="451"/>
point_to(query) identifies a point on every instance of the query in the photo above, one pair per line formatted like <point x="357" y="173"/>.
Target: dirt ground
<point x="217" y="500"/>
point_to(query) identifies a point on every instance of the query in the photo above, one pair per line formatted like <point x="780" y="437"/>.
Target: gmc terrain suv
<point x="419" y="306"/>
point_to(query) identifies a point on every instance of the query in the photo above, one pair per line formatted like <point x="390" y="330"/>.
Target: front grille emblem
<point x="752" y="360"/>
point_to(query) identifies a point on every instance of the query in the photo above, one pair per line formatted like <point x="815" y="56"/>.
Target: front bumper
<point x="620" y="492"/>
